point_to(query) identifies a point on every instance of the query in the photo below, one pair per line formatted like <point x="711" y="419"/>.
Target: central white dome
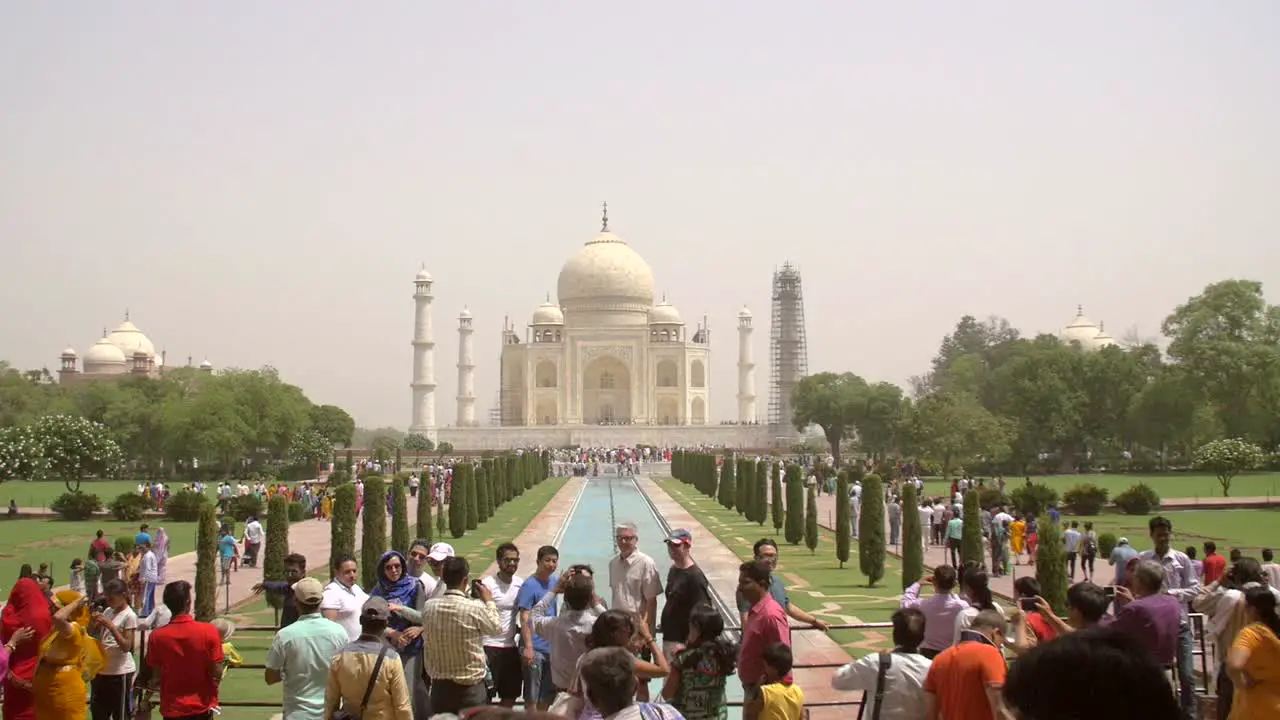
<point x="131" y="340"/>
<point x="1081" y="330"/>
<point x="606" y="274"/>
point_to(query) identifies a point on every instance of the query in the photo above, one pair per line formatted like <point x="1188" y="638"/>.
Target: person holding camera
<point x="116" y="627"/>
<point x="455" y="626"/>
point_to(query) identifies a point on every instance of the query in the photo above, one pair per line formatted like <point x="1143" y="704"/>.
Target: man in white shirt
<point x="1071" y="539"/>
<point x="343" y="599"/>
<point x="149" y="574"/>
<point x="501" y="653"/>
<point x="926" y="523"/>
<point x="855" y="505"/>
<point x="634" y="585"/>
<point x="253" y="537"/>
<point x="939" y="521"/>
<point x="904" y="672"/>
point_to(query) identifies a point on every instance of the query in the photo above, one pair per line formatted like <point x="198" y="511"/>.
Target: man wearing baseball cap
<point x="301" y="653"/>
<point x="353" y="668"/>
<point x="431" y="584"/>
<point x="687" y="588"/>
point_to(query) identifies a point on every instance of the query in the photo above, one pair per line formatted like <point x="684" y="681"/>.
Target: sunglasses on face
<point x="418" y="556"/>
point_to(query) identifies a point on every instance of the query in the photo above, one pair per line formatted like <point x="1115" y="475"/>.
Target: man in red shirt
<point x="185" y="659"/>
<point x="1214" y="564"/>
<point x="966" y="679"/>
<point x="766" y="624"/>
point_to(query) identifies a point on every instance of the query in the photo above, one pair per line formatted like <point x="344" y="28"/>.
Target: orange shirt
<point x="959" y="678"/>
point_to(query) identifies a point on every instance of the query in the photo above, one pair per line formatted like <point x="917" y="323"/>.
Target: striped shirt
<point x="455" y="627"/>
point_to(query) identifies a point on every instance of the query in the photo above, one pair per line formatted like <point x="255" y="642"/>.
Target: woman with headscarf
<point x="403" y="592"/>
<point x="27" y="608"/>
<point x="68" y="655"/>
<point x="160" y="546"/>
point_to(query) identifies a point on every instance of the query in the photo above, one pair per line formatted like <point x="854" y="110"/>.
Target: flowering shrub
<point x="1228" y="458"/>
<point x="62" y="447"/>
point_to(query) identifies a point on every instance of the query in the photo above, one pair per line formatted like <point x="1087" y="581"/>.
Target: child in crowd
<point x="76" y="581"/>
<point x="226" y="629"/>
<point x="780" y="698"/>
<point x="695" y="685"/>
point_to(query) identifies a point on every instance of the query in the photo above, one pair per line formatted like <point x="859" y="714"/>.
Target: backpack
<point x="1090" y="545"/>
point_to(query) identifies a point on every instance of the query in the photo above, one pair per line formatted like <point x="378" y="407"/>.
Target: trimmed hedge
<point x="373" y="536"/>
<point x="276" y="545"/>
<point x="871" y="539"/>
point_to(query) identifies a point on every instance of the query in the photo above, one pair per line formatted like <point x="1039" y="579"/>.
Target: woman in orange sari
<point x="67" y="657"/>
<point x="27" y="607"/>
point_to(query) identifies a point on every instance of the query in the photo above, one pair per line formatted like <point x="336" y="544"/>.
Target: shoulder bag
<point x="886" y="659"/>
<point x="368" y="691"/>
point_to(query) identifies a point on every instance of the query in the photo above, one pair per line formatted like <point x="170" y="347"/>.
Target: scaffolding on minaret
<point x="788" y="349"/>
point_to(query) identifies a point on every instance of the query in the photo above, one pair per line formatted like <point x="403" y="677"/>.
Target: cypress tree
<point x="424" y="528"/>
<point x="760" y="494"/>
<point x="442" y="524"/>
<point x="276" y="545"/>
<point x="729" y="483"/>
<point x="373" y="537"/>
<point x="458" y="502"/>
<point x="207" y="564"/>
<point x="843" y="520"/>
<point x="1051" y="566"/>
<point x="342" y="529"/>
<point x="484" y="511"/>
<point x="399" y="515"/>
<point x="473" y="497"/>
<point x="795" y="504"/>
<point x="775" y="495"/>
<point x="746" y="483"/>
<point x="871" y="539"/>
<point x="676" y="460"/>
<point x="516" y="485"/>
<point x="971" y="542"/>
<point x="350" y="461"/>
<point x="912" y="537"/>
<point x="397" y="459"/>
<point x="811" y="519"/>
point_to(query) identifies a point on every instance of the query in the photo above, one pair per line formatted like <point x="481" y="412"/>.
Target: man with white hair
<point x="634" y="584"/>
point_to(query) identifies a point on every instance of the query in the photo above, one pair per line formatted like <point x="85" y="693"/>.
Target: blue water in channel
<point x="587" y="539"/>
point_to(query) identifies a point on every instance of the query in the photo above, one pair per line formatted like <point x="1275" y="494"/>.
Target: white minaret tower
<point x="424" y="378"/>
<point x="466" y="372"/>
<point x="746" y="370"/>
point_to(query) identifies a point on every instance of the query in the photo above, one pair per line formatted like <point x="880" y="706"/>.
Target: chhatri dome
<point x="126" y="350"/>
<point x="664" y="313"/>
<point x="606" y="275"/>
<point x="548" y="313"/>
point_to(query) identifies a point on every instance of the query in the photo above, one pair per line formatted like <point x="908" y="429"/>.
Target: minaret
<point x="424" y="379"/>
<point x="746" y="370"/>
<point x="466" y="372"/>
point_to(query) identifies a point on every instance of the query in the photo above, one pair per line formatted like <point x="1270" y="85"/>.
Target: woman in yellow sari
<point x="1017" y="531"/>
<point x="68" y="657"/>
<point x="326" y="507"/>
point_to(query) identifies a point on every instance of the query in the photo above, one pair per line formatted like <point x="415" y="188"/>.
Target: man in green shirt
<point x="301" y="653"/>
<point x="955" y="531"/>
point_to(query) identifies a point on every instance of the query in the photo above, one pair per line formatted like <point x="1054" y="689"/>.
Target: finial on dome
<point x="664" y="296"/>
<point x="1079" y="309"/>
<point x="604" y="216"/>
<point x="104" y="331"/>
<point x="548" y="296"/>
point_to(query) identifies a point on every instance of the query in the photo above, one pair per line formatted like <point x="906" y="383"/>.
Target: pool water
<point x="587" y="538"/>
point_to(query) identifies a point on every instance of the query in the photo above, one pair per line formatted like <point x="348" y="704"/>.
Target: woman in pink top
<point x="940" y="609"/>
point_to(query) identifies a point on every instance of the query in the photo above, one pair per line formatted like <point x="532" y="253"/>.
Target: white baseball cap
<point x="440" y="551"/>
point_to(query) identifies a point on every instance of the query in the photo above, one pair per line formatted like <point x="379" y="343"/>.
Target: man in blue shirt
<point x="226" y="549"/>
<point x="539" y="690"/>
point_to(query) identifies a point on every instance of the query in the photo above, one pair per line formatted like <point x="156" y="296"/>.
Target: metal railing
<point x="1201" y="651"/>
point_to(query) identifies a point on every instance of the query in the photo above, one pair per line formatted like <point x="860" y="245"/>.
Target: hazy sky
<point x="259" y="184"/>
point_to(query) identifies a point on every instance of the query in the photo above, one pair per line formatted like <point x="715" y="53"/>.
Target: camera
<point x="1028" y="604"/>
<point x="475" y="589"/>
<point x="1109" y="592"/>
<point x="100" y="605"/>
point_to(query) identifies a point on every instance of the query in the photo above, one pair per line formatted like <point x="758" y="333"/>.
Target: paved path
<point x="721" y="567"/>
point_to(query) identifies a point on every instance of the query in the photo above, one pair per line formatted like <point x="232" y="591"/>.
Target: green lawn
<point x="478" y="547"/>
<point x="1248" y="530"/>
<point x="39" y="540"/>
<point x="40" y="494"/>
<point x="1169" y="485"/>
<point x="816" y="582"/>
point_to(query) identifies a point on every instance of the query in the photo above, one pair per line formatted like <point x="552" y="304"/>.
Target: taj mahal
<point x="601" y="365"/>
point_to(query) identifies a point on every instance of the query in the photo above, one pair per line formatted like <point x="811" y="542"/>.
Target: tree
<point x="728" y="483"/>
<point x="418" y="443"/>
<point x="384" y="448"/>
<point x="333" y="423"/>
<point x="63" y="447"/>
<point x="830" y="401"/>
<point x="442" y="524"/>
<point x="954" y="426"/>
<point x="309" y="449"/>
<point x="342" y="530"/>
<point x="445" y="448"/>
<point x="276" y="546"/>
<point x="483" y="508"/>
<point x="742" y="489"/>
<point x="795" y="504"/>
<point x="811" y="519"/>
<point x="458" y="501"/>
<point x="760" y="494"/>
<point x="972" y="547"/>
<point x="912" y="537"/>
<point x="1051" y="566"/>
<point x="871" y="539"/>
<point x="399" y="515"/>
<point x="843" y="520"/>
<point x="775" y="493"/>
<point x="424" y="528"/>
<point x="373" y="538"/>
<point x="207" y="565"/>
<point x="1228" y="458"/>
<point x="473" y="497"/>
